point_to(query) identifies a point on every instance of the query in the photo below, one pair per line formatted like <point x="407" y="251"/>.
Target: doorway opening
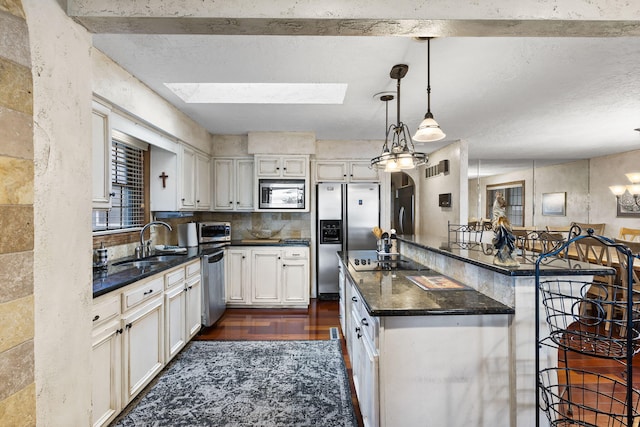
<point x="402" y="203"/>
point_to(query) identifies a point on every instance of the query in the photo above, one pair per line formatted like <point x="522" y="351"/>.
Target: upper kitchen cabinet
<point x="233" y="184"/>
<point x="268" y="166"/>
<point x="101" y="139"/>
<point x="195" y="174"/>
<point x="180" y="180"/>
<point x="344" y="171"/>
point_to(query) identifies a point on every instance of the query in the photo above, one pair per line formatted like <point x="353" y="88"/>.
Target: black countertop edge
<point x="114" y="277"/>
<point x="283" y="242"/>
<point x="441" y="312"/>
<point x="555" y="267"/>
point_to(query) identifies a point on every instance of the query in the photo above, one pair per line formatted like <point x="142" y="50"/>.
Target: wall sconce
<point x="627" y="196"/>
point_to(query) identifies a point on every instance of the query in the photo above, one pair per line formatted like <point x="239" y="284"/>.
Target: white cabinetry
<point x="106" y="360"/>
<point x="295" y="276"/>
<point x="282" y="166"/>
<point x="137" y="330"/>
<point x="193" y="289"/>
<point x="345" y="171"/>
<point x="143" y="335"/>
<point x="233" y="184"/>
<point x="101" y="167"/>
<point x="267" y="276"/>
<point x="183" y="307"/>
<point x="237" y="276"/>
<point x="195" y="180"/>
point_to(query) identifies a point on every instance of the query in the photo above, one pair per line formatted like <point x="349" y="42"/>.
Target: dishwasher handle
<point x="215" y="257"/>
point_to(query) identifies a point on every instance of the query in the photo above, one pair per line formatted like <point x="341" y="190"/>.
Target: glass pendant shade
<point x="634" y="189"/>
<point x="618" y="190"/>
<point x="634" y="177"/>
<point x="428" y="131"/>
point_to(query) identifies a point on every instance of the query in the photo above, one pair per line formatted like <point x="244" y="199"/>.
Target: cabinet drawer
<point x="295" y="253"/>
<point x="174" y="277"/>
<point x="193" y="269"/>
<point x="105" y="309"/>
<point x="143" y="292"/>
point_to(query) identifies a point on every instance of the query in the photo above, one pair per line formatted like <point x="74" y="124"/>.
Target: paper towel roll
<point x="187" y="235"/>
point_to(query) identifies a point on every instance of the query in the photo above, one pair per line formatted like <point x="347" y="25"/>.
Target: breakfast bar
<point x="439" y="335"/>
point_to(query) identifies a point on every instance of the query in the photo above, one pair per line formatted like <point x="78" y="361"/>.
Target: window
<point x="127" y="189"/>
<point x="513" y="193"/>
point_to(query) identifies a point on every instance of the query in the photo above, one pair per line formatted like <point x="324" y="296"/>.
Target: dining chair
<point x="629" y="234"/>
<point x="622" y="307"/>
<point x="600" y="297"/>
<point x="598" y="229"/>
<point x="634" y="246"/>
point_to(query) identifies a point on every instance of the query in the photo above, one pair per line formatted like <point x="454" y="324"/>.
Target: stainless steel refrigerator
<point x="346" y="216"/>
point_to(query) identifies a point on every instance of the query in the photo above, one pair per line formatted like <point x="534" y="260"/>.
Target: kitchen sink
<point x="161" y="258"/>
<point x="138" y="263"/>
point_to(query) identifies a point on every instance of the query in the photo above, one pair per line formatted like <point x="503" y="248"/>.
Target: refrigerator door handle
<point x="401" y="219"/>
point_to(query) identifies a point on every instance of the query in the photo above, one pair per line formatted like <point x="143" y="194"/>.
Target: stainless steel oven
<point x="214" y="232"/>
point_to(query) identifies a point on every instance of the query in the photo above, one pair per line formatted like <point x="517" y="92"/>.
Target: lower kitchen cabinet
<point x="106" y="360"/>
<point x="143" y="353"/>
<point x="137" y="330"/>
<point x="267" y="276"/>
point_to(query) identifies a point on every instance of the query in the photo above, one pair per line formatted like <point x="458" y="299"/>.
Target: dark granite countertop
<point x="387" y="290"/>
<point x="117" y="276"/>
<point x="481" y="254"/>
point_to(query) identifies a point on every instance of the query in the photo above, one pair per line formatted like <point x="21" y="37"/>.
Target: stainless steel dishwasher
<point x="213" y="298"/>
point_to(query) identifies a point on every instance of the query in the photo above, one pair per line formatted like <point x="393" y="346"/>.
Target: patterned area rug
<point x="248" y="383"/>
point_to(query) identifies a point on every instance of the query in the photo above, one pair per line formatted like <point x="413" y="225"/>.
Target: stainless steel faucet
<point x="145" y="249"/>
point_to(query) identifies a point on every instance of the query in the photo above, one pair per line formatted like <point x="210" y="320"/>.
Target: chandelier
<point x="398" y="151"/>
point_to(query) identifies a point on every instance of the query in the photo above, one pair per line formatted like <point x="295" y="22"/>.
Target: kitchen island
<point x="432" y="361"/>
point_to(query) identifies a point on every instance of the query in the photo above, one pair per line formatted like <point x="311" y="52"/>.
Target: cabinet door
<point x="268" y="166"/>
<point x="331" y="171"/>
<point x="244" y="184"/>
<point x="106" y="372"/>
<point x="237" y="276"/>
<point x="343" y="296"/>
<point x="295" y="282"/>
<point x="101" y="166"/>
<point x="294" y="167"/>
<point x="175" y="316"/>
<point x="187" y="175"/>
<point x="203" y="182"/>
<point x="194" y="306"/>
<point x="362" y="172"/>
<point x="223" y="194"/>
<point x="143" y="347"/>
<point x="265" y="276"/>
<point x="368" y="397"/>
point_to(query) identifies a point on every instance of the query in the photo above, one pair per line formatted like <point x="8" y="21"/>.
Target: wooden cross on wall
<point x="164" y="177"/>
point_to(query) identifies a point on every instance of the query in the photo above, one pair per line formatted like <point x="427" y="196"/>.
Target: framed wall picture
<point x="627" y="206"/>
<point x="554" y="204"/>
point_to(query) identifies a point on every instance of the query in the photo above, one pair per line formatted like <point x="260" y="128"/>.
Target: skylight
<point x="260" y="93"/>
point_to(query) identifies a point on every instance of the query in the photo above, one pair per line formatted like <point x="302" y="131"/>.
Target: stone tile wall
<point x="17" y="387"/>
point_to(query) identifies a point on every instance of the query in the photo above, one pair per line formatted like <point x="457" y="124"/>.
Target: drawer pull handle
<point x="150" y="291"/>
<point x="128" y="326"/>
<point x="96" y="317"/>
<point x="364" y="321"/>
<point x="354" y="299"/>
<point x="118" y="331"/>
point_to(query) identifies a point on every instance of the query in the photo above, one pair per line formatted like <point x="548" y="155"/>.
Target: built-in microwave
<point x="209" y="232"/>
<point x="281" y="194"/>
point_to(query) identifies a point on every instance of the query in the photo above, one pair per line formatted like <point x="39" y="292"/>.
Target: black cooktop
<point x="372" y="261"/>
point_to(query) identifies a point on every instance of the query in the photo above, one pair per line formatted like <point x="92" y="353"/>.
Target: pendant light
<point x="429" y="130"/>
<point x="401" y="154"/>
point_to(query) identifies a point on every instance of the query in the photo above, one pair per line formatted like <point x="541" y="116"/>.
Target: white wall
<point x="585" y="182"/>
<point x="431" y="218"/>
<point x="60" y="52"/>
<point x="113" y="83"/>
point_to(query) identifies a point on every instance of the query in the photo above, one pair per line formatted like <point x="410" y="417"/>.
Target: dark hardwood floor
<point x="316" y="322"/>
<point x="282" y="324"/>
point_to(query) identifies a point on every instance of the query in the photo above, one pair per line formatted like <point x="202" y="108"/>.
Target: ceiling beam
<point x="436" y="18"/>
